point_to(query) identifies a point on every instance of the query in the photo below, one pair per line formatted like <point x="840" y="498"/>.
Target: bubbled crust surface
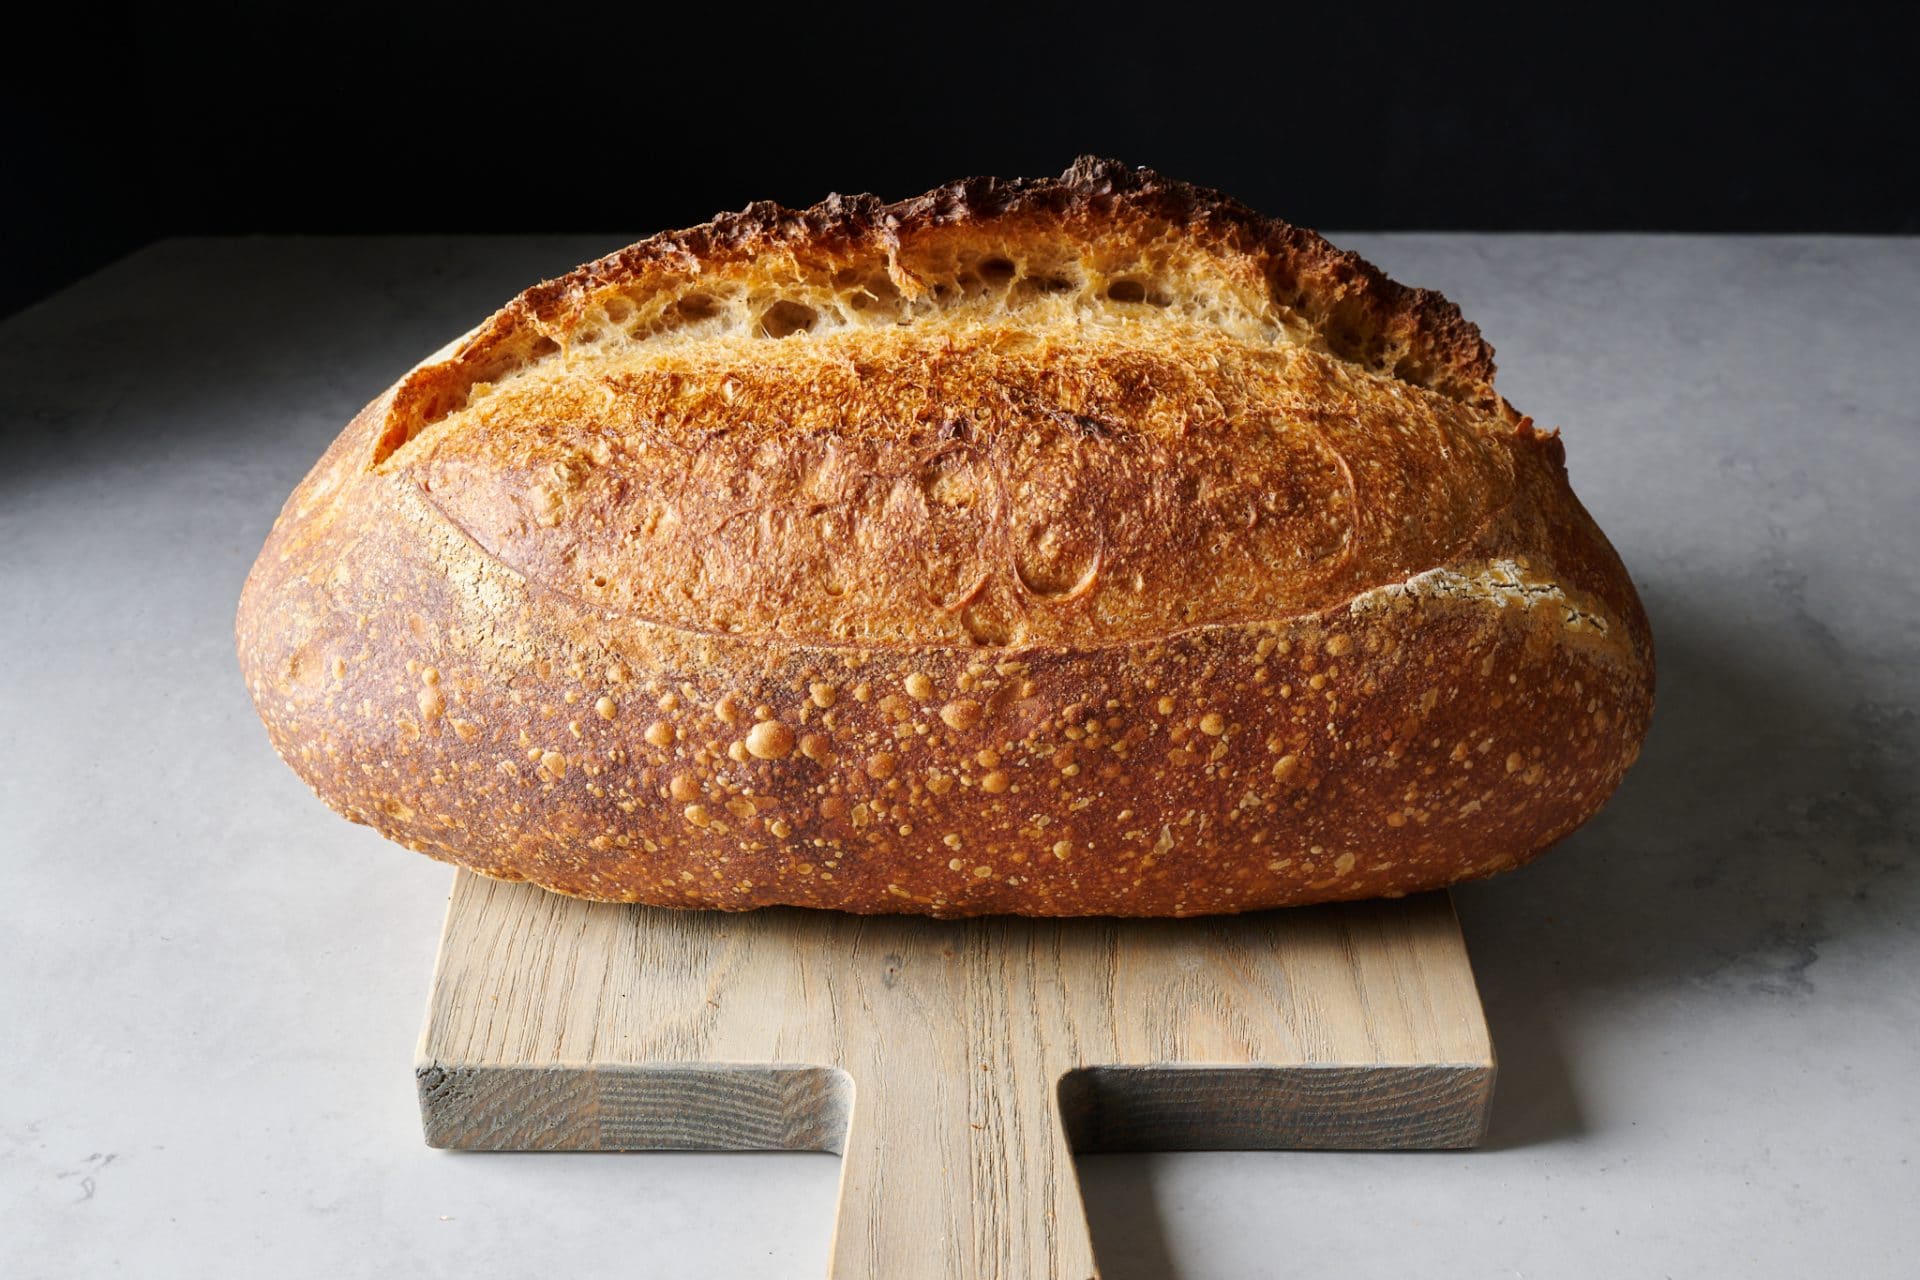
<point x="1089" y="546"/>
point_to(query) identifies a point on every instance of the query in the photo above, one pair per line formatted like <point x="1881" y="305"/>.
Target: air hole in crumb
<point x="696" y="306"/>
<point x="588" y="336"/>
<point x="618" y="310"/>
<point x="1039" y="286"/>
<point x="996" y="270"/>
<point x="542" y="346"/>
<point x="1127" y="291"/>
<point x="784" y="318"/>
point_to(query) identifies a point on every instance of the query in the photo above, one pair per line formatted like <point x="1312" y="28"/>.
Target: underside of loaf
<point x="1088" y="546"/>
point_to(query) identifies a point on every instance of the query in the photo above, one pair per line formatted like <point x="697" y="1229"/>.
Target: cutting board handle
<point x="943" y="1178"/>
<point x="955" y="1065"/>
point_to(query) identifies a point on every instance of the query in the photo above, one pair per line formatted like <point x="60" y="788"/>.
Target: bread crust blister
<point x="1066" y="547"/>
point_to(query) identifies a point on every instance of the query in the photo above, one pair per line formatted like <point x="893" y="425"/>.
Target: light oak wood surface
<point x="954" y="1065"/>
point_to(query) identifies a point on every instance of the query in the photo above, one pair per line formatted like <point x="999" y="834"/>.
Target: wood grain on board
<point x="954" y="1065"/>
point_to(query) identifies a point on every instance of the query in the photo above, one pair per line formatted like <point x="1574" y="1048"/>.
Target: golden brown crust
<point x="1090" y="546"/>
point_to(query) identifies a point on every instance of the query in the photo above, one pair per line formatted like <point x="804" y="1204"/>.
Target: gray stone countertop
<point x="1705" y="1002"/>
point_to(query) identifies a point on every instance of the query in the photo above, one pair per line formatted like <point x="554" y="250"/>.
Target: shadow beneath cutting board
<point x="1772" y="813"/>
<point x="1129" y="1233"/>
<point x="1534" y="1097"/>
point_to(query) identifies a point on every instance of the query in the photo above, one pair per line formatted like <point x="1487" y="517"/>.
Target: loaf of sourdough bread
<point x="1090" y="546"/>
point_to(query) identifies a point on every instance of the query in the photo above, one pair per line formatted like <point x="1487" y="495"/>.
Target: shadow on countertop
<point x="1772" y="811"/>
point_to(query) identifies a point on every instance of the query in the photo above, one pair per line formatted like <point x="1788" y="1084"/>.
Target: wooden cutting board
<point x="954" y="1065"/>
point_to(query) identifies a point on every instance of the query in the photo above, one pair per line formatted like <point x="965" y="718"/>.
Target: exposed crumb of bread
<point x="1103" y="243"/>
<point x="1015" y="300"/>
<point x="962" y="289"/>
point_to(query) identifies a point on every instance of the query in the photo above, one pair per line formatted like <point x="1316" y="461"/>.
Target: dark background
<point x="216" y="119"/>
